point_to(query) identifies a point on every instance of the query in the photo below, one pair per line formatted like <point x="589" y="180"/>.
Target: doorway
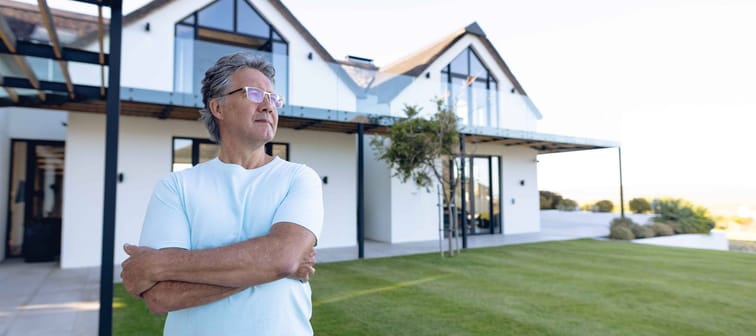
<point x="35" y="200"/>
<point x="482" y="194"/>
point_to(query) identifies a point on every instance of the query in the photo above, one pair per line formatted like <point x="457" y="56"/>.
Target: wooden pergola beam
<point x="12" y="94"/>
<point x="9" y="40"/>
<point x="52" y="33"/>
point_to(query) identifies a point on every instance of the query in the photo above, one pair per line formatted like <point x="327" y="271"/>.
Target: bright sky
<point x="673" y="80"/>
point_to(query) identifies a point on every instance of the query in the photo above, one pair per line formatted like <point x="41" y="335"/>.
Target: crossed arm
<point x="172" y="279"/>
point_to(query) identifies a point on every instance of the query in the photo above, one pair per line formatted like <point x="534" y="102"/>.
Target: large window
<point x="221" y="28"/>
<point x="188" y="152"/>
<point x="482" y="194"/>
<point x="472" y="90"/>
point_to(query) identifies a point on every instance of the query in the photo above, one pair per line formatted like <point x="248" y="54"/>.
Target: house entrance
<point x="482" y="194"/>
<point x="36" y="200"/>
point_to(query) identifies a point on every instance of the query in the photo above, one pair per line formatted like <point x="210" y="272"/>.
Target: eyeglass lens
<point x="257" y="95"/>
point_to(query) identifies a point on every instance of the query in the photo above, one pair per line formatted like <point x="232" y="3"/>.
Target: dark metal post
<point x="111" y="170"/>
<point x="361" y="190"/>
<point x="462" y="189"/>
<point x="622" y="193"/>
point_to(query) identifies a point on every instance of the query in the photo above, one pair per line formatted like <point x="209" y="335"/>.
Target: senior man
<point x="227" y="246"/>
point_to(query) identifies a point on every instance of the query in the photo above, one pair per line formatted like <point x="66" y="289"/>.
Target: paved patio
<point x="41" y="299"/>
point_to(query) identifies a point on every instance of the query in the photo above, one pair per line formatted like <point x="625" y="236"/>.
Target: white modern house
<point x="52" y="135"/>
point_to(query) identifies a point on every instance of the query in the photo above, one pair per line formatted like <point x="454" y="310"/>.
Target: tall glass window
<point x="472" y="90"/>
<point x="220" y="28"/>
<point x="482" y="194"/>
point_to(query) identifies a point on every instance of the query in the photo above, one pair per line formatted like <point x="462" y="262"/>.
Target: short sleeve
<point x="165" y="223"/>
<point x="303" y="203"/>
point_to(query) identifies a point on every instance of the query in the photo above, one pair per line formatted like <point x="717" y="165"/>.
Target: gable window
<point x="472" y="90"/>
<point x="221" y="28"/>
<point x="189" y="152"/>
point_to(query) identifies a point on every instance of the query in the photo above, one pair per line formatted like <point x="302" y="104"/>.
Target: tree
<point x="640" y="205"/>
<point x="413" y="149"/>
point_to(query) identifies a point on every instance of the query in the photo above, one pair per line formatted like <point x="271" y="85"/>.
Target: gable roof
<point x="415" y="64"/>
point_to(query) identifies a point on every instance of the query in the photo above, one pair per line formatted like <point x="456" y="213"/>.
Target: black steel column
<point x="360" y="191"/>
<point x="111" y="169"/>
<point x="622" y="193"/>
<point x="462" y="189"/>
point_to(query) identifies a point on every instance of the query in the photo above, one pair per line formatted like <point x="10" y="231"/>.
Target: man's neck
<point x="249" y="157"/>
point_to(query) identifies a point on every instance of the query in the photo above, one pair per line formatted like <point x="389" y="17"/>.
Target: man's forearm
<point x="244" y="264"/>
<point x="167" y="296"/>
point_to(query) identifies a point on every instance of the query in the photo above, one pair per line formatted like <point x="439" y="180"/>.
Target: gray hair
<point x="217" y="79"/>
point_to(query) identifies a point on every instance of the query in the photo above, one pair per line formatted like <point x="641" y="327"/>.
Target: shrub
<point x="662" y="229"/>
<point x="567" y="204"/>
<point x="623" y="221"/>
<point x="640" y="205"/>
<point x="621" y="232"/>
<point x="687" y="217"/>
<point x="603" y="206"/>
<point x="643" y="231"/>
<point x="621" y="228"/>
<point x="549" y="200"/>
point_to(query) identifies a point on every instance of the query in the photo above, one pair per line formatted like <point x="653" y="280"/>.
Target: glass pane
<point x="189" y="20"/>
<point x="480" y="104"/>
<point x="184" y="53"/>
<point x="459" y="64"/>
<point x="250" y="23"/>
<point x="481" y="196"/>
<point x="280" y="62"/>
<point x="280" y="150"/>
<point x="495" y="195"/>
<point x="477" y="70"/>
<point x="276" y="36"/>
<point x="208" y="151"/>
<point x="18" y="199"/>
<point x="48" y="183"/>
<point x="218" y="15"/>
<point x="459" y="99"/>
<point x="182" y="154"/>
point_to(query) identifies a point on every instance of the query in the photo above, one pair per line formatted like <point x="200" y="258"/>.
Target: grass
<point x="581" y="287"/>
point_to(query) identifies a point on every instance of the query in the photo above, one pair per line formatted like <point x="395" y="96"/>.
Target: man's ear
<point x="215" y="108"/>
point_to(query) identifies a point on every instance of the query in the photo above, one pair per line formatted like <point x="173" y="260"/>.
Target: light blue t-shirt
<point x="216" y="204"/>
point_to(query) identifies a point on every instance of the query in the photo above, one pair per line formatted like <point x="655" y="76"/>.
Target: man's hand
<point x="306" y="267"/>
<point x="136" y="272"/>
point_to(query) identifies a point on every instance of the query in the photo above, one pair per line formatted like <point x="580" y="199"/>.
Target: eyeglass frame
<point x="270" y="95"/>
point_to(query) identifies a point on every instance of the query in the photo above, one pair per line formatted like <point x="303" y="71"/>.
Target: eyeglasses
<point x="257" y="96"/>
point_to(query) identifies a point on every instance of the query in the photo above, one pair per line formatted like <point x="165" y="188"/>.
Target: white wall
<point x="144" y="156"/>
<point x="4" y="171"/>
<point x="377" y="196"/>
<point x="333" y="155"/>
<point x="414" y="214"/>
<point x="519" y="203"/>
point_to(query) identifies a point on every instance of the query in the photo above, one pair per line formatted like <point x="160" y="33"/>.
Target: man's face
<point x="243" y="119"/>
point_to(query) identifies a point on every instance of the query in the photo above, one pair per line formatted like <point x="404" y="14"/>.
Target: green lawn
<point x="582" y="287"/>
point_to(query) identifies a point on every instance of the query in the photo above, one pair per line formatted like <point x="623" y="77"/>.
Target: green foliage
<point x="640" y="205"/>
<point x="621" y="233"/>
<point x="567" y="204"/>
<point x="685" y="216"/>
<point x="622" y="228"/>
<point x="662" y="229"/>
<point x="643" y="231"/>
<point x="549" y="200"/>
<point x="603" y="206"/>
<point x="412" y="146"/>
